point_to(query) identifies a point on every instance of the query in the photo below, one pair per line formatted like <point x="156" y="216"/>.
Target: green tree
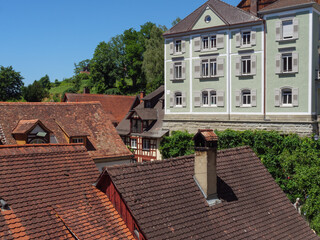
<point x="103" y="67"/>
<point x="45" y="82"/>
<point x="10" y="84"/>
<point x="178" y="144"/>
<point x="153" y="58"/>
<point x="81" y="66"/>
<point x="174" y="22"/>
<point x="35" y="92"/>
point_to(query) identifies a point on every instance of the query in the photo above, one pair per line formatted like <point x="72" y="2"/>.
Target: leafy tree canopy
<point x="45" y="82"/>
<point x="35" y="92"/>
<point x="10" y="84"/>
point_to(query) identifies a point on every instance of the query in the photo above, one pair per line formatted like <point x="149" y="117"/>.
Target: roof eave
<point x="299" y="6"/>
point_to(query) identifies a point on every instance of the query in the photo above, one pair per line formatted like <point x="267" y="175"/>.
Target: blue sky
<point x="41" y="37"/>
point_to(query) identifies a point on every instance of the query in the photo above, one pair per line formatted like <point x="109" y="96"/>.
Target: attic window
<point x="77" y="140"/>
<point x="207" y="19"/>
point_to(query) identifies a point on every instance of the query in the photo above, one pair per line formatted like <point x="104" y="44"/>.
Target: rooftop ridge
<point x="102" y="95"/>
<point x="41" y="145"/>
<point x="51" y="103"/>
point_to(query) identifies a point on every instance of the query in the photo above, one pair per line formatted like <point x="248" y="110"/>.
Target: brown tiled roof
<point x="84" y="118"/>
<point x="2" y="136"/>
<point x="245" y="4"/>
<point x="167" y="203"/>
<point x="229" y="14"/>
<point x="147" y="113"/>
<point x="115" y="105"/>
<point x="155" y="93"/>
<point x="286" y="3"/>
<point x="24" y="126"/>
<point x="50" y="194"/>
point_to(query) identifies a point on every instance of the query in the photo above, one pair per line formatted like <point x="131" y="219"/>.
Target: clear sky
<point x="41" y="37"/>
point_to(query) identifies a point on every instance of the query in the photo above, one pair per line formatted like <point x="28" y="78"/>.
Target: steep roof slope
<point x="229" y="14"/>
<point x="67" y="118"/>
<point x="286" y="3"/>
<point x="115" y="105"/>
<point x="167" y="203"/>
<point x="50" y="194"/>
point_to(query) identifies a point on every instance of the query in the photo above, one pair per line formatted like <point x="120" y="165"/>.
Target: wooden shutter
<point x="184" y="99"/>
<point x="277" y="97"/>
<point x="171" y="48"/>
<point x="220" y="40"/>
<point x="295" y="62"/>
<point x="295" y="28"/>
<point x="197" y="44"/>
<point x="295" y="97"/>
<point x="220" y="98"/>
<point x="238" y="39"/>
<point x="197" y="99"/>
<point x="278" y="64"/>
<point x="172" y="100"/>
<point x="253" y="64"/>
<point x="183" y="46"/>
<point x="253" y="98"/>
<point x="278" y="31"/>
<point x="253" y="38"/>
<point x="197" y="68"/>
<point x="238" y="65"/>
<point x="183" y="65"/>
<point x="171" y="71"/>
<point x="220" y="67"/>
<point x="238" y="96"/>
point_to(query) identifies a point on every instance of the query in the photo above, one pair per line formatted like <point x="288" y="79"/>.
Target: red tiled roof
<point x="74" y="118"/>
<point x="50" y="193"/>
<point x="167" y="203"/>
<point x="208" y="134"/>
<point x="115" y="105"/>
<point x="24" y="126"/>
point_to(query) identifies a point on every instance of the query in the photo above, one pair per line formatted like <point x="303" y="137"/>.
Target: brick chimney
<point x="205" y="164"/>
<point x="142" y="95"/>
<point x="254" y="7"/>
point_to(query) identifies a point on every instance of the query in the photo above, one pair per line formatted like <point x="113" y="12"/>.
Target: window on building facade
<point x="213" y="98"/>
<point x="287" y="62"/>
<point x="246" y="38"/>
<point x="177" y="46"/>
<point x="205" y="68"/>
<point x="209" y="67"/>
<point x="133" y="143"/>
<point x="286" y="97"/>
<point x="77" y="140"/>
<point x="178" y="99"/>
<point x="205" y="42"/>
<point x="287" y="29"/>
<point x="205" y="98"/>
<point x="246" y="65"/>
<point x="145" y="144"/>
<point x="136" y="125"/>
<point x="213" y="41"/>
<point x="246" y="97"/>
<point x="213" y="67"/>
<point x="178" y="70"/>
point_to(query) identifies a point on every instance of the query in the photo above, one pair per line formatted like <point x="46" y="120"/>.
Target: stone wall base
<point x="192" y="126"/>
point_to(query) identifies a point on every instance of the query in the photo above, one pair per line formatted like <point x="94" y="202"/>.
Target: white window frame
<point x="213" y="41"/>
<point x="246" y="65"/>
<point x="205" y="68"/>
<point x="209" y="68"/>
<point x="205" y="98"/>
<point x="246" y="97"/>
<point x="286" y="60"/>
<point x="205" y="43"/>
<point x="213" y="67"/>
<point x="178" y="46"/>
<point x="213" y="98"/>
<point x="133" y="143"/>
<point x="246" y="38"/>
<point x="283" y="28"/>
<point x="178" y="70"/>
<point x="178" y="99"/>
<point x="286" y="97"/>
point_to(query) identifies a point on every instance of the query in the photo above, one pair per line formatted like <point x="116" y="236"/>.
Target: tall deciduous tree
<point x="35" y="92"/>
<point x="81" y="66"/>
<point x="10" y="84"/>
<point x="45" y="82"/>
<point x="153" y="58"/>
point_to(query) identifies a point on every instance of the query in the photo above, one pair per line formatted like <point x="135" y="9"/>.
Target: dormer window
<point x="136" y="125"/>
<point x="77" y="140"/>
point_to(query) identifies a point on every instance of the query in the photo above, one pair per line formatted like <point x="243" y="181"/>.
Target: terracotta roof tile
<point x="76" y="119"/>
<point x="24" y="126"/>
<point x="116" y="106"/>
<point x="167" y="203"/>
<point x="50" y="193"/>
<point x="286" y="3"/>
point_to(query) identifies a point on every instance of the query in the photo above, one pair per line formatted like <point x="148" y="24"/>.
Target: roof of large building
<point x="167" y="203"/>
<point x="116" y="106"/>
<point x="230" y="15"/>
<point x="71" y="119"/>
<point x="155" y="114"/>
<point x="49" y="192"/>
<point x="287" y="3"/>
<point x="245" y="4"/>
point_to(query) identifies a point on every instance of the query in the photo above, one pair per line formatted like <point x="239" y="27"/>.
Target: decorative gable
<point x="208" y="19"/>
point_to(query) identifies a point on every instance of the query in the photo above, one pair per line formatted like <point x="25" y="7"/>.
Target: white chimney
<point x="205" y="163"/>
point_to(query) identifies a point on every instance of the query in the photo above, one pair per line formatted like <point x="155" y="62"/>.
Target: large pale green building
<point x="258" y="69"/>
